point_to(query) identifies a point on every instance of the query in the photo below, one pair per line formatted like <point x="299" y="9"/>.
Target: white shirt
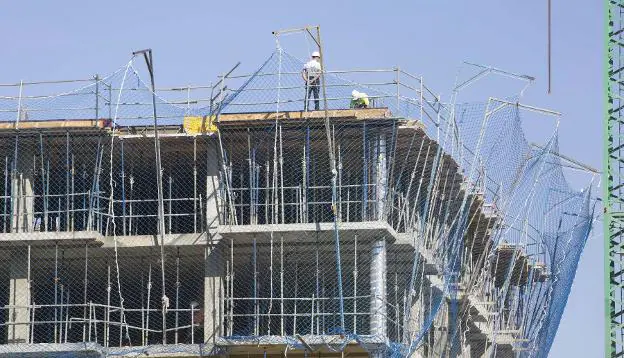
<point x="313" y="68"/>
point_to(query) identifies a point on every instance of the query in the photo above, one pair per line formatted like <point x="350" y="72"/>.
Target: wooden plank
<point x="356" y="114"/>
<point x="70" y="123"/>
<point x="352" y="114"/>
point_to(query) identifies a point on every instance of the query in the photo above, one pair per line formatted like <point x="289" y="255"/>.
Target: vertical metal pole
<point x="267" y="193"/>
<point x="66" y="313"/>
<point x="92" y="308"/>
<point x="43" y="185"/>
<point x="56" y="279"/>
<point x="188" y="98"/>
<point x="123" y="186"/>
<point x="84" y="292"/>
<point x="195" y="184"/>
<point x="334" y="173"/>
<point x="32" y="328"/>
<point x="201" y="214"/>
<point x="60" y="319"/>
<point x="282" y="285"/>
<point x="5" y="200"/>
<point x="110" y="100"/>
<point x="251" y="175"/>
<point x="355" y="277"/>
<point x="86" y="194"/>
<point x="108" y="305"/>
<point x="142" y="304"/>
<point x="170" y="207"/>
<point x="97" y="98"/>
<point x="422" y="97"/>
<point x="318" y="278"/>
<point x="281" y="163"/>
<point x="339" y="210"/>
<point x="67" y="175"/>
<point x="396" y="305"/>
<point x="228" y="299"/>
<point x="30" y="304"/>
<point x="364" y="173"/>
<point x="296" y="297"/>
<point x="398" y="91"/>
<point x="177" y="298"/>
<point x="241" y="196"/>
<point x="147" y="314"/>
<point x="73" y="193"/>
<point x="130" y="205"/>
<point x="19" y="105"/>
<point x="192" y="324"/>
<point x="89" y="322"/>
<point x="549" y="45"/>
<point x="14" y="189"/>
<point x="312" y="316"/>
<point x="231" y="321"/>
<point x="306" y="173"/>
<point x="97" y="190"/>
<point x="255" y="286"/>
<point x="257" y="170"/>
<point x="147" y="54"/>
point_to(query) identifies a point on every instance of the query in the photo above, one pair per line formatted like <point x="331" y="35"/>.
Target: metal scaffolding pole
<point x="147" y="55"/>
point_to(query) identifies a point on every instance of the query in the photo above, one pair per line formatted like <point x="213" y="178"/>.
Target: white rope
<point x="111" y="210"/>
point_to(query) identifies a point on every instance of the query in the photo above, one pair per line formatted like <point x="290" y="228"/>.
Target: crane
<point x="613" y="178"/>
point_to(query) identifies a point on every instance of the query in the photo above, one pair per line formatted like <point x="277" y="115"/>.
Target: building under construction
<point x="156" y="222"/>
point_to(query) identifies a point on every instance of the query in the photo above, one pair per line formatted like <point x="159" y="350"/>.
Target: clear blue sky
<point x="195" y="40"/>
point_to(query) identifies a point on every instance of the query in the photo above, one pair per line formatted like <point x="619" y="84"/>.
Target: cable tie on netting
<point x="165" y="302"/>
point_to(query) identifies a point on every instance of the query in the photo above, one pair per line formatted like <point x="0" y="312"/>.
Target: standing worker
<point x="311" y="74"/>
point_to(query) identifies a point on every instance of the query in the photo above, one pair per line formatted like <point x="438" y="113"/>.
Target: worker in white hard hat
<point x="311" y="74"/>
<point x="359" y="100"/>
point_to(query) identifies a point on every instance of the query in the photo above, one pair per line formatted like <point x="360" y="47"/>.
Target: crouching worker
<point x="359" y="100"/>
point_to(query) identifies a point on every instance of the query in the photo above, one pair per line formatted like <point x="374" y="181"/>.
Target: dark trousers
<point x="312" y="90"/>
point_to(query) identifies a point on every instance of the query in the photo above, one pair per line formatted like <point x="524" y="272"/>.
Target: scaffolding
<point x="413" y="227"/>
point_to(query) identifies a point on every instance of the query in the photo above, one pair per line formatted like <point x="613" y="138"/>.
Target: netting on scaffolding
<point x="395" y="224"/>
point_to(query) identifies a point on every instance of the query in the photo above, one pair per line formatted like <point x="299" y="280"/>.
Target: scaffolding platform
<point x="75" y="124"/>
<point x="233" y="119"/>
<point x="50" y="238"/>
<point x="310" y="232"/>
<point x="325" y="345"/>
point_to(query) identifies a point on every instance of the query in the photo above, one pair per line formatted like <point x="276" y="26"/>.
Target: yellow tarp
<point x="200" y="125"/>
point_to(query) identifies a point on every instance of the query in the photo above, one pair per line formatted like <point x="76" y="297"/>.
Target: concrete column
<point x="22" y="201"/>
<point x="477" y="348"/>
<point x="19" y="295"/>
<point x="504" y="351"/>
<point x="377" y="353"/>
<point x="213" y="292"/>
<point x="416" y="313"/>
<point x="378" y="324"/>
<point x="212" y="187"/>
<point x="381" y="177"/>
<point x="378" y="320"/>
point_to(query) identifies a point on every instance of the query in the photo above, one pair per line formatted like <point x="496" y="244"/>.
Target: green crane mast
<point x="613" y="180"/>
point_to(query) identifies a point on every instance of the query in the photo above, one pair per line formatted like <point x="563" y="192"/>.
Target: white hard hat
<point x="355" y="93"/>
<point x="316" y="54"/>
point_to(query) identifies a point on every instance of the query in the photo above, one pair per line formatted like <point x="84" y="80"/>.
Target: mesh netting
<point x="402" y="226"/>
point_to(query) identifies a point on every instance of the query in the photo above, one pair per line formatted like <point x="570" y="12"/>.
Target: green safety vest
<point x="359" y="103"/>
